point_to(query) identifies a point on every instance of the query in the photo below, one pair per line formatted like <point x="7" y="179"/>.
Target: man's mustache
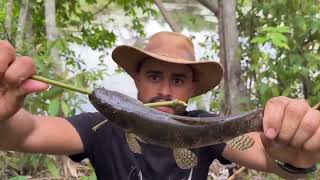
<point x="160" y="98"/>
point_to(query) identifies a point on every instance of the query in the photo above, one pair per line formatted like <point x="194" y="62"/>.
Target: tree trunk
<point x="22" y="23"/>
<point x="236" y="97"/>
<point x="52" y="33"/>
<point x="8" y="20"/>
<point x="29" y="37"/>
<point x="306" y="81"/>
<point x="212" y="5"/>
<point x="173" y="25"/>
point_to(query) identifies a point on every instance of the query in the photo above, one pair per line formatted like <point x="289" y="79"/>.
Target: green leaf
<point x="275" y="91"/>
<point x="278" y="29"/>
<point x="53" y="108"/>
<point x="305" y="71"/>
<point x="91" y="177"/>
<point x="259" y="39"/>
<point x="52" y="168"/>
<point x="283" y="29"/>
<point x="316" y="88"/>
<point x="315" y="26"/>
<point x="279" y="40"/>
<point x="19" y="178"/>
<point x="65" y="108"/>
<point x="287" y="91"/>
<point x="52" y="93"/>
<point x="299" y="23"/>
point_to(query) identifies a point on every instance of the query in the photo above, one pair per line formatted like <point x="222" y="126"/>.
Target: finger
<point x="273" y="115"/>
<point x="7" y="55"/>
<point x="274" y="149"/>
<point x="10" y="102"/>
<point x="313" y="143"/>
<point x="294" y="113"/>
<point x="308" y="126"/>
<point x="30" y="85"/>
<point x="19" y="71"/>
<point x="284" y="153"/>
<point x="13" y="98"/>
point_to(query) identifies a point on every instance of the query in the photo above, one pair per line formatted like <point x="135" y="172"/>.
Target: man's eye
<point x="154" y="77"/>
<point x="178" y="81"/>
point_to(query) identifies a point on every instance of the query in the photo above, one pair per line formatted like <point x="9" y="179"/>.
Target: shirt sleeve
<point x="83" y="123"/>
<point x="217" y="149"/>
<point x="221" y="159"/>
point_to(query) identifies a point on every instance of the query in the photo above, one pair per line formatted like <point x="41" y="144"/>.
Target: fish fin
<point x="185" y="158"/>
<point x="139" y="138"/>
<point x="133" y="143"/>
<point x="241" y="143"/>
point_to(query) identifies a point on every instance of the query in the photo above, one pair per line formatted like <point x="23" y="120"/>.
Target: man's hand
<point x="14" y="80"/>
<point x="291" y="131"/>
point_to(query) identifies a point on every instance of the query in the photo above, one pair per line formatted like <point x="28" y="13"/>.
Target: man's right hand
<point x="14" y="80"/>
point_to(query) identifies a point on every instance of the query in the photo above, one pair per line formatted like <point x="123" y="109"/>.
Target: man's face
<point x="161" y="81"/>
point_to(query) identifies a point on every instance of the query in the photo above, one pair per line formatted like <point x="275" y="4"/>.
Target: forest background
<point x="267" y="48"/>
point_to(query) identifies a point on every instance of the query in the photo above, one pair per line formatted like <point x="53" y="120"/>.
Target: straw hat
<point x="170" y="47"/>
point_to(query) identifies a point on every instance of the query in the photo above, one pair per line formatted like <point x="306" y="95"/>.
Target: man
<point x="164" y="70"/>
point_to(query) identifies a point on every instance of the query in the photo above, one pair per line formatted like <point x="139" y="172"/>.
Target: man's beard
<point x="177" y="110"/>
<point x="160" y="98"/>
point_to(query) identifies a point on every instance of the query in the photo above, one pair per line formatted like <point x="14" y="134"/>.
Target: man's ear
<point x="136" y="79"/>
<point x="193" y="88"/>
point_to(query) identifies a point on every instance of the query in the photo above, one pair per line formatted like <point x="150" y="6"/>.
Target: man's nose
<point x="165" y="88"/>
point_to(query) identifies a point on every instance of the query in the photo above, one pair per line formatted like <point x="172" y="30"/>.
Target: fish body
<point x="173" y="131"/>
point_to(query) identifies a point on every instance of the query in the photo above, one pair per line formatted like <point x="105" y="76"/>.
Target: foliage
<point x="279" y="43"/>
<point x="76" y="23"/>
<point x="280" y="48"/>
<point x="192" y="21"/>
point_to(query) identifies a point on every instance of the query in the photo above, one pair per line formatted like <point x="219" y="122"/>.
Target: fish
<point x="180" y="133"/>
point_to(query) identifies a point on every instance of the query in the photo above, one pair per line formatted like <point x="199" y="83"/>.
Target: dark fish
<point x="168" y="130"/>
<point x="177" y="132"/>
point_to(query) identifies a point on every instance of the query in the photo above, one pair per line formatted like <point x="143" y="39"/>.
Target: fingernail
<point x="20" y="80"/>
<point x="271" y="133"/>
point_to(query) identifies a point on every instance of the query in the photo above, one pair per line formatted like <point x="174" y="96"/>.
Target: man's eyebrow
<point x="180" y="75"/>
<point x="153" y="72"/>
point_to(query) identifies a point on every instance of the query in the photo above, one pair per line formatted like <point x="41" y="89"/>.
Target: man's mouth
<point x="165" y="109"/>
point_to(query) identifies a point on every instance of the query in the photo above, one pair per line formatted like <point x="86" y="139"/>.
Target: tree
<point x="8" y="20"/>
<point x="24" y="7"/>
<point x="172" y="23"/>
<point x="234" y="89"/>
<point x="52" y="33"/>
<point x="38" y="24"/>
<point x="281" y="53"/>
<point x="211" y="5"/>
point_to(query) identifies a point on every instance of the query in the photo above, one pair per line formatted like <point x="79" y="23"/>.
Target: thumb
<point x="265" y="141"/>
<point x="273" y="116"/>
<point x="30" y="86"/>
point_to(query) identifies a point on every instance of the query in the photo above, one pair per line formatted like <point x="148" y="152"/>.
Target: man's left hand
<point x="291" y="131"/>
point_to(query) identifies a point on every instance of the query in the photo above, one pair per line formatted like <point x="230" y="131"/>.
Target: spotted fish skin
<point x="168" y="130"/>
<point x="133" y="144"/>
<point x="241" y="143"/>
<point x="185" y="158"/>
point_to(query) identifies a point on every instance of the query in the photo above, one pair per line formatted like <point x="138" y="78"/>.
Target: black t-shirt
<point x="112" y="159"/>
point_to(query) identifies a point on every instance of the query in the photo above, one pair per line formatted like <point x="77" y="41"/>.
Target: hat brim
<point x="208" y="73"/>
